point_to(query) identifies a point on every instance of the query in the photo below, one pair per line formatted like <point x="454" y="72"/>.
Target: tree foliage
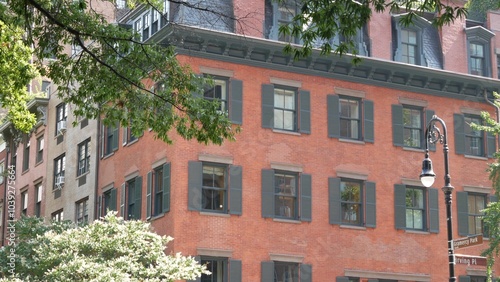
<point x="110" y="249"/>
<point x="491" y="217"/>
<point x="477" y="9"/>
<point x="16" y="71"/>
<point x="115" y="73"/>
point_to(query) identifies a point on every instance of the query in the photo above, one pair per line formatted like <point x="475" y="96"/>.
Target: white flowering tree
<point x="110" y="249"/>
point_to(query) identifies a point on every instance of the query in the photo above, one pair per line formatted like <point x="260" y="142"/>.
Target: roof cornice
<point x="32" y="106"/>
<point x="260" y="52"/>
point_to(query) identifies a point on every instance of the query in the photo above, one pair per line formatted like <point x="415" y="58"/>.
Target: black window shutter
<point x="428" y="116"/>
<point x="400" y="206"/>
<point x="102" y="140"/>
<point x="195" y="172"/>
<point x="267" y="270"/>
<point x="491" y="144"/>
<point x="148" y="194"/>
<point x="305" y="197"/>
<point x="333" y="109"/>
<point x="305" y="273"/>
<point x="235" y="189"/>
<point x="462" y="278"/>
<point x="369" y="130"/>
<point x="267" y="193"/>
<point x="166" y="188"/>
<point x="334" y="200"/>
<point x="305" y="111"/>
<point x="234" y="270"/>
<point x="267" y="105"/>
<point x="463" y="213"/>
<point x="236" y="101"/>
<point x="459" y="128"/>
<point x="433" y="210"/>
<point x="138" y="198"/>
<point x="397" y="125"/>
<point x="112" y="200"/>
<point x="493" y="199"/>
<point x="371" y="205"/>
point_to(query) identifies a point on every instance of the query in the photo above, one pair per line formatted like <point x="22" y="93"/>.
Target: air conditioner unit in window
<point x="61" y="126"/>
<point x="59" y="182"/>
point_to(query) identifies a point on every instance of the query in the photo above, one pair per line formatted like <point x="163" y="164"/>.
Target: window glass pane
<point x="473" y="138"/>
<point x="412" y="37"/>
<point x="476" y="203"/>
<point x="418" y="219"/>
<point x="285" y="195"/>
<point x="288" y="121"/>
<point x="278" y="118"/>
<point x="349" y="108"/>
<point x="350" y="194"/>
<point x="404" y="35"/>
<point x="216" y="267"/>
<point x="289" y="100"/>
<point x="415" y="208"/>
<point x="213" y="176"/>
<point x="286" y="272"/>
<point x="217" y="91"/>
<point x="350" y="191"/>
<point x="279" y="98"/>
<point x="284" y="109"/>
<point x="214" y="187"/>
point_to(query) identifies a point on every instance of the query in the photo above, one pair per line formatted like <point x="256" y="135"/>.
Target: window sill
<point x="286" y="132"/>
<point x="476" y="157"/>
<point x="295" y="221"/>
<point x="129" y="143"/>
<point x="38" y="163"/>
<point x="82" y="175"/>
<point x="108" y="155"/>
<point x="25" y="171"/>
<point x="215" y="214"/>
<point x="352" y="227"/>
<point x="155" y="217"/>
<point x="352" y="141"/>
<point x="420" y="232"/>
<point x="413" y="149"/>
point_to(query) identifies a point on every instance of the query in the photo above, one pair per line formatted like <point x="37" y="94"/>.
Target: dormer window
<point x="416" y="44"/>
<point x="281" y="14"/>
<point x="409" y="46"/>
<point x="478" y="51"/>
<point x="477" y="65"/>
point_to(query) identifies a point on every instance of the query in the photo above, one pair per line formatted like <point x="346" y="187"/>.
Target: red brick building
<point x="322" y="182"/>
<point x="23" y="165"/>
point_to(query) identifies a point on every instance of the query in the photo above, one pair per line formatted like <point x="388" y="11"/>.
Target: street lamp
<point x="427" y="177"/>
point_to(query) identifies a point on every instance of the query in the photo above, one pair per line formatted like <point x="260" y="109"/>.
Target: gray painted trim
<point x="371" y="71"/>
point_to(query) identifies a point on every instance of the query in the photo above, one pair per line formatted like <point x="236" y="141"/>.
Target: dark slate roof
<point x="265" y="53"/>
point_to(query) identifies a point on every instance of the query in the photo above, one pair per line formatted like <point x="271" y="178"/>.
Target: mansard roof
<point x="266" y="53"/>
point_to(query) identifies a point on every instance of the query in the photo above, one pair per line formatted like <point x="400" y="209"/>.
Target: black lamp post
<point x="433" y="135"/>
